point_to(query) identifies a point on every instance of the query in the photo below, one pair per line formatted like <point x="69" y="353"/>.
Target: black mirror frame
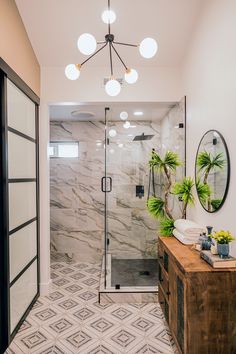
<point x="228" y="169"/>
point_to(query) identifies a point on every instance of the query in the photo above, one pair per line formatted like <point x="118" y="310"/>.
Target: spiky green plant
<point x="166" y="165"/>
<point x="206" y="162"/>
<point x="166" y="226"/>
<point x="216" y="203"/>
<point x="170" y="161"/>
<point x="184" y="190"/>
<point x="203" y="191"/>
<point x="155" y="206"/>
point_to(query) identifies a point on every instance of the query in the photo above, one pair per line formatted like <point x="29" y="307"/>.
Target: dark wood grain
<point x="209" y="301"/>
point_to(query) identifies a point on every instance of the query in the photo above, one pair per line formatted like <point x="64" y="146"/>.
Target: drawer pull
<point x="160" y="257"/>
<point x="161" y="280"/>
<point x="162" y="302"/>
<point x="168" y="293"/>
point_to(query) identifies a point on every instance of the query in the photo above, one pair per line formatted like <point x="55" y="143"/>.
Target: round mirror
<point x="212" y="171"/>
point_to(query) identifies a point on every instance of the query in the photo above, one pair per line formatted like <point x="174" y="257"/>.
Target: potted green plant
<point x="158" y="206"/>
<point x="206" y="162"/>
<point x="223" y="238"/>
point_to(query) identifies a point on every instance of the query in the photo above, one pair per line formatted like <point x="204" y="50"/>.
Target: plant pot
<point x="223" y="250"/>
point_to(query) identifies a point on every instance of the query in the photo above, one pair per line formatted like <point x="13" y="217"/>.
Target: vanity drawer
<point x="160" y="253"/>
<point x="164" y="304"/>
<point x="163" y="281"/>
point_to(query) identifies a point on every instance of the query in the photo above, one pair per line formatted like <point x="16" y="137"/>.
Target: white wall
<point x="209" y="78"/>
<point x="155" y="84"/>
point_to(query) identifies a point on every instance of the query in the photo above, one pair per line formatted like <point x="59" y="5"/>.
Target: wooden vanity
<point x="198" y="301"/>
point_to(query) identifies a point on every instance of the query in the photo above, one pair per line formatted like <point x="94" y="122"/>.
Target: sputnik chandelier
<point x="87" y="45"/>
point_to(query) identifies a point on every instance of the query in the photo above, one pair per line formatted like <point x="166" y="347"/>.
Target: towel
<point x="188" y="227"/>
<point x="184" y="239"/>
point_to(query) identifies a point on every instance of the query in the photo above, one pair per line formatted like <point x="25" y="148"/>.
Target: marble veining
<point x="77" y="202"/>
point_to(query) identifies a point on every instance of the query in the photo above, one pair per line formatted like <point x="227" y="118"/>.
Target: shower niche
<point x="129" y="267"/>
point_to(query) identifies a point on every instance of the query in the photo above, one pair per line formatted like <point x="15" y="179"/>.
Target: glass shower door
<point x="130" y="232"/>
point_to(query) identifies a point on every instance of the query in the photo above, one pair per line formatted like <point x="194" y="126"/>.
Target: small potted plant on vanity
<point x="223" y="238"/>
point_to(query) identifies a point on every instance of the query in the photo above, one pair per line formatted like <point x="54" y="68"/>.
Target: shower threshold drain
<point x="144" y="272"/>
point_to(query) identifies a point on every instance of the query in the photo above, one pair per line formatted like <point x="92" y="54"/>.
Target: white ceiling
<point x="151" y="111"/>
<point x="53" y="27"/>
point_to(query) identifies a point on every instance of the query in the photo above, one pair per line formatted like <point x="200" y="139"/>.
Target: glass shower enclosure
<point x="131" y="234"/>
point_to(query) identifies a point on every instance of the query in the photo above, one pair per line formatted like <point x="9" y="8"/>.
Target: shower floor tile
<point x="71" y="321"/>
<point x="134" y="272"/>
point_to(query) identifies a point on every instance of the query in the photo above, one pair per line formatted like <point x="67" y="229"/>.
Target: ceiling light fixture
<point x="87" y="45"/>
<point x="138" y="113"/>
<point x="124" y="115"/>
<point x="112" y="133"/>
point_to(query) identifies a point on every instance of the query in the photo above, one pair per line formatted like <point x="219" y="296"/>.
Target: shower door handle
<point x="104" y="184"/>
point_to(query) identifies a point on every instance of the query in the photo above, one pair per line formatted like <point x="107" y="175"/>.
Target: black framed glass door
<point x="19" y="199"/>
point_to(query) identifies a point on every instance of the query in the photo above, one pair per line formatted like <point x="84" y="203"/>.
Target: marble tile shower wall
<point x="77" y="203"/>
<point x="173" y="139"/>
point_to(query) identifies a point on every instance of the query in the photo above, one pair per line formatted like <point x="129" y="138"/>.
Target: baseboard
<point x="44" y="288"/>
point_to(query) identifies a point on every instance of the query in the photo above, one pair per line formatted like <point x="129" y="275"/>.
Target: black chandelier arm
<point x="123" y="63"/>
<point x="109" y="25"/>
<point x="127" y="44"/>
<point x="111" y="63"/>
<point x="85" y="61"/>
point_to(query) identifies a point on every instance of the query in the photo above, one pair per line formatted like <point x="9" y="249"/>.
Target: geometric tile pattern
<point x="123" y="338"/>
<point x="34" y="339"/>
<point x="71" y="321"/>
<point x="101" y="325"/>
<point x="78" y="339"/>
<point x="60" y="325"/>
<point x="121" y="313"/>
<point x="143" y="324"/>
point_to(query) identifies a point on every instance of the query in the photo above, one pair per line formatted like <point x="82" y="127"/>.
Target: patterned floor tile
<point x="66" y="270"/>
<point x="123" y="340"/>
<point x="102" y="348"/>
<point x="90" y="281"/>
<point x="61" y="281"/>
<point x="79" y="340"/>
<point x="143" y="324"/>
<point x="121" y="313"/>
<point x="14" y="349"/>
<point x="71" y="321"/>
<point x="84" y="313"/>
<point x="45" y="314"/>
<point x="56" y="348"/>
<point x="147" y="349"/>
<point x="87" y="295"/>
<point x="55" y="296"/>
<point x="61" y="325"/>
<point x="68" y="304"/>
<point x="101" y="325"/>
<point x="34" y="340"/>
<point x="78" y="276"/>
<point x="73" y="288"/>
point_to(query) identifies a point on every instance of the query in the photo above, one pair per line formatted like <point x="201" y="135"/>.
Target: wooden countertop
<point x="188" y="258"/>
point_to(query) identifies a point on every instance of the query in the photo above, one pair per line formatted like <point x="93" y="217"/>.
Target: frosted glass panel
<point x="23" y="248"/>
<point x="21" y="157"/>
<point x="22" y="294"/>
<point x="20" y="110"/>
<point x="22" y="203"/>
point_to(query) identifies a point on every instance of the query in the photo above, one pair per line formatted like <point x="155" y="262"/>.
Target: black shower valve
<point x="140" y="191"/>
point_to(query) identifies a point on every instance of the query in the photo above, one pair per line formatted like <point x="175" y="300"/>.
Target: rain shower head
<point x="143" y="137"/>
